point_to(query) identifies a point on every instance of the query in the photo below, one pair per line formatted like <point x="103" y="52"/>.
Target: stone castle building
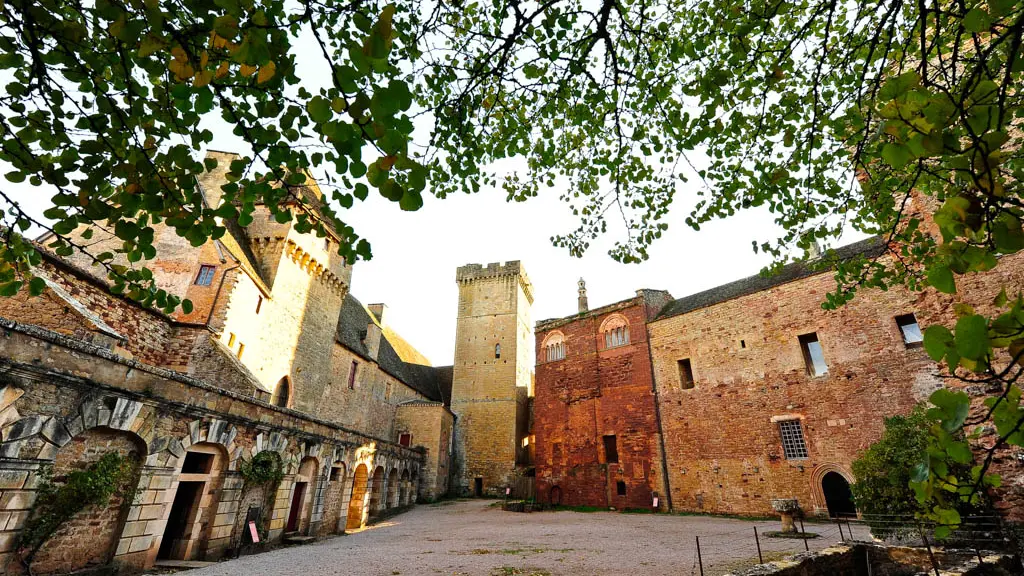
<point x="716" y="402"/>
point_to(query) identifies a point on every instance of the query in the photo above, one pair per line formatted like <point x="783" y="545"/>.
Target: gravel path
<point x="473" y="538"/>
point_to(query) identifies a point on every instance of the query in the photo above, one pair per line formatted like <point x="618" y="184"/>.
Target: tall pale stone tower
<point x="493" y="369"/>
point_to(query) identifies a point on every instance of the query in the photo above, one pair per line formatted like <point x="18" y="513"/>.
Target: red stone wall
<point x="723" y="449"/>
<point x="595" y="392"/>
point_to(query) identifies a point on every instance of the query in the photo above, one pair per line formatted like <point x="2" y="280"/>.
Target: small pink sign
<point x="253" y="532"/>
<point x="508" y="491"/>
<point x="655" y="501"/>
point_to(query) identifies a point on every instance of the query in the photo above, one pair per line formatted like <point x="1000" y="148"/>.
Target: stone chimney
<point x="372" y="340"/>
<point x="378" y="311"/>
<point x="814" y="250"/>
<point x="211" y="180"/>
<point x="583" y="296"/>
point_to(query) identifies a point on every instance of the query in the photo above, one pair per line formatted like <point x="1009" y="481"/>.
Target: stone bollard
<point x="787" y="509"/>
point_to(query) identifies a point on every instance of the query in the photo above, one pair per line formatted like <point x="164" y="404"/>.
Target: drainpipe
<point x="657" y="414"/>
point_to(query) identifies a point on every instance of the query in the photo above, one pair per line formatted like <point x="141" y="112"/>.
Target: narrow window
<point x="335" y="473"/>
<point x="259" y="303"/>
<point x="405" y="439"/>
<point x="231" y="340"/>
<point x="327" y="244"/>
<point x="205" y="276"/>
<point x="281" y="393"/>
<point x="620" y="488"/>
<point x="743" y="343"/>
<point x="556" y="453"/>
<point x="497" y="350"/>
<point x="912" y="336"/>
<point x="241" y="348"/>
<point x="685" y="374"/>
<point x="814" y="358"/>
<point x="611" y="449"/>
<point x="352" y="376"/>
<point x="793" y="445"/>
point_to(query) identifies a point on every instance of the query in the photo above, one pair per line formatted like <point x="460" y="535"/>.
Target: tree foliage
<point x="871" y="114"/>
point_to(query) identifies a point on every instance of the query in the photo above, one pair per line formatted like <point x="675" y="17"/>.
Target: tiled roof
<point x="352" y="323"/>
<point x="870" y="247"/>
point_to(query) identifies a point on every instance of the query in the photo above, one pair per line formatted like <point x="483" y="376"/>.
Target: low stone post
<point x="787" y="509"/>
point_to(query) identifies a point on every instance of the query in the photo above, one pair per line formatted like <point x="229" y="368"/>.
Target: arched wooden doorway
<point x="555" y="496"/>
<point x="377" y="491"/>
<point x="302" y="496"/>
<point x="93" y="533"/>
<point x="392" y="489"/>
<point x="357" y="502"/>
<point x="838" y="497"/>
<point x="194" y="506"/>
<point x="282" y="393"/>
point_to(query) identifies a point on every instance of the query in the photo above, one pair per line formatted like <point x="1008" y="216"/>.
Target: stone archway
<point x="91" y="537"/>
<point x="404" y="483"/>
<point x="414" y="489"/>
<point x="817" y="479"/>
<point x="838" y="497"/>
<point x="377" y="491"/>
<point x="302" y="496"/>
<point x="335" y="494"/>
<point x="357" y="501"/>
<point x="190" y="518"/>
<point x="392" y="489"/>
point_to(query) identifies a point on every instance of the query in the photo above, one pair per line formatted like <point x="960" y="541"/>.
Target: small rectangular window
<point x="620" y="488"/>
<point x="909" y="328"/>
<point x="335" y="474"/>
<point x="793" y="445"/>
<point x="611" y="449"/>
<point x="205" y="276"/>
<point x="685" y="374"/>
<point x="259" y="303"/>
<point x="241" y="348"/>
<point x="405" y="439"/>
<point x="231" y="339"/>
<point x="497" y="350"/>
<point x="352" y="376"/>
<point x="814" y="358"/>
<point x="197" y="463"/>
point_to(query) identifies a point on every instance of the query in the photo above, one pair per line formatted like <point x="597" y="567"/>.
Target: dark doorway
<point x="838" y="497"/>
<point x="478" y="487"/>
<point x="296" y="512"/>
<point x="183" y="514"/>
<point x="555" y="496"/>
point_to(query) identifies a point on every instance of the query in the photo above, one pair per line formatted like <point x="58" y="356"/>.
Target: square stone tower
<point x="493" y="370"/>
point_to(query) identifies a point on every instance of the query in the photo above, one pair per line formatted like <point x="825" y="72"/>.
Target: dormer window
<point x="616" y="331"/>
<point x="205" y="276"/>
<point x="554" y="347"/>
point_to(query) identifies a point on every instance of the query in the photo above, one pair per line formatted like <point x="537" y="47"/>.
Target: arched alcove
<point x="282" y="395"/>
<point x="358" y="499"/>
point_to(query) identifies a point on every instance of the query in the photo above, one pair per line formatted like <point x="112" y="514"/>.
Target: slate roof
<point x="870" y="248"/>
<point x="352" y="323"/>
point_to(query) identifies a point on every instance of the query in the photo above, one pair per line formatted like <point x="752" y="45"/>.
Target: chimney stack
<point x="378" y="311"/>
<point x="583" y="296"/>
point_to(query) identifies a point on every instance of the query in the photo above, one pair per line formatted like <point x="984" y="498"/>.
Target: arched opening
<point x="555" y="496"/>
<point x="403" y="497"/>
<point x="282" y="393"/>
<point x="333" y="497"/>
<point x="194" y="505"/>
<point x="414" y="489"/>
<point x="392" y="489"/>
<point x="93" y="533"/>
<point x="838" y="497"/>
<point x="377" y="491"/>
<point x="302" y="496"/>
<point x="357" y="501"/>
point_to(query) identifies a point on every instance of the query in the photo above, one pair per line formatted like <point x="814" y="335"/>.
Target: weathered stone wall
<point x="593" y="392"/>
<point x="431" y="426"/>
<point x="494" y="304"/>
<point x="370" y="406"/>
<point x="723" y="445"/>
<point x="56" y="390"/>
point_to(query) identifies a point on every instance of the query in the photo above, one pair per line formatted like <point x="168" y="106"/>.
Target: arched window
<point x="497" y="350"/>
<point x="282" y="393"/>
<point x="616" y="331"/>
<point x="554" y="347"/>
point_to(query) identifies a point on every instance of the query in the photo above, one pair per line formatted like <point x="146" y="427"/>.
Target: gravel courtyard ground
<point x="473" y="538"/>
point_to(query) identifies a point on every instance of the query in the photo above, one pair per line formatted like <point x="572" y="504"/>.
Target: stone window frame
<point x="615" y="329"/>
<point x="553" y="347"/>
<point x="796" y="449"/>
<point x="904" y="322"/>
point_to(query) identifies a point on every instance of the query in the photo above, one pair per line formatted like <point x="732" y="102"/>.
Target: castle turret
<point x="493" y="361"/>
<point x="583" y="306"/>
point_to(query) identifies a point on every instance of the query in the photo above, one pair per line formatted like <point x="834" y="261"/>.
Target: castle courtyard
<point x="476" y="538"/>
